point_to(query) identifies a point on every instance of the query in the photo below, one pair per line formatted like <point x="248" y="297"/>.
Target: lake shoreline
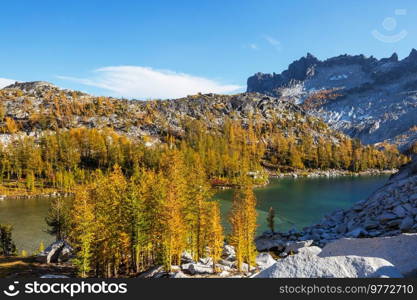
<point x="33" y="209"/>
<point x="332" y="173"/>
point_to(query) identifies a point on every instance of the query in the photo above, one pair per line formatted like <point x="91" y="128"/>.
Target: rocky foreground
<point x="392" y="257"/>
<point x="374" y="238"/>
<point x="344" y="258"/>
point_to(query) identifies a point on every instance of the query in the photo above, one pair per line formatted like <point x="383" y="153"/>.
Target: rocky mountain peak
<point x="392" y="58"/>
<point x="31" y="85"/>
<point x="367" y="98"/>
<point x="412" y="56"/>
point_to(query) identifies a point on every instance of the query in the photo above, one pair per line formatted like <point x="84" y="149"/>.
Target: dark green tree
<point x="7" y="247"/>
<point x="271" y="219"/>
<point x="58" y="218"/>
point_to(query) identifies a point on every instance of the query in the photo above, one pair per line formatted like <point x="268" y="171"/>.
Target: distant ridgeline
<point x="56" y="138"/>
<point x="366" y="98"/>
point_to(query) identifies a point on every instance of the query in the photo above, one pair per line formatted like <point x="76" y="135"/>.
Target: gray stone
<point x="341" y="228"/>
<point x="356" y="233"/>
<point x="58" y="251"/>
<point x="246" y="269"/>
<point x="407" y="223"/>
<point x="197" y="268"/>
<point x="224" y="274"/>
<point x="315" y="236"/>
<point x="326" y="236"/>
<point x="371" y="225"/>
<point x="374" y="233"/>
<point x="208" y="261"/>
<point x="312" y="250"/>
<point x="399" y="250"/>
<point x="308" y="265"/>
<point x="413" y="198"/>
<point x="264" y="260"/>
<point x="408" y="208"/>
<point x="394" y="223"/>
<point x="229" y="251"/>
<point x="399" y="211"/>
<point x="386" y="217"/>
<point x="186" y="257"/>
<point x="67" y="252"/>
<point x="227" y="263"/>
<point x="155" y="272"/>
<point x="294" y="246"/>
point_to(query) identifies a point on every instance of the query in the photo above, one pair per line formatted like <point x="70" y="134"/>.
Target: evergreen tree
<point x="82" y="235"/>
<point x="175" y="231"/>
<point x="271" y="219"/>
<point x="58" y="218"/>
<point x="243" y="221"/>
<point x="7" y="246"/>
<point x="215" y="233"/>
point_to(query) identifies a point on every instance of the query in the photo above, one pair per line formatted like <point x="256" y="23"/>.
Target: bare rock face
<point x="373" y="100"/>
<point x="308" y="265"/>
<point x="31" y="85"/>
<point x="151" y="119"/>
<point x="400" y="251"/>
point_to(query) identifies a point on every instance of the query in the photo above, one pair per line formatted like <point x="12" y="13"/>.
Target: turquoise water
<point x="28" y="219"/>
<point x="297" y="203"/>
<point x="304" y="201"/>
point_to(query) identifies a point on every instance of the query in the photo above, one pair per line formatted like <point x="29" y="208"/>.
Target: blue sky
<point x="163" y="49"/>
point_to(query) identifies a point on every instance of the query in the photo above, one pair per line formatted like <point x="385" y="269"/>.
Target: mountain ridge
<point x="285" y="135"/>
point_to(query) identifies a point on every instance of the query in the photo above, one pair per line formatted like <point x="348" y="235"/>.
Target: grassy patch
<point x="22" y="267"/>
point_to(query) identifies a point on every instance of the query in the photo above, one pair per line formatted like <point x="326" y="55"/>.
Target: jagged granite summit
<point x="374" y="100"/>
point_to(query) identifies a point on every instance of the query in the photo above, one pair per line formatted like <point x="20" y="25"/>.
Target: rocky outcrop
<point x="399" y="250"/>
<point x="374" y="100"/>
<point x="226" y="267"/>
<point x="308" y="265"/>
<point x="34" y="106"/>
<point x="58" y="251"/>
<point x="390" y="211"/>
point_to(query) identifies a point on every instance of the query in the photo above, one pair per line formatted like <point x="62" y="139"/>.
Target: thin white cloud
<point x="272" y="41"/>
<point x="253" y="46"/>
<point x="5" y="82"/>
<point x="147" y="83"/>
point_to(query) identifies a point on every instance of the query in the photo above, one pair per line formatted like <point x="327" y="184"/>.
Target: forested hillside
<point x="57" y="138"/>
